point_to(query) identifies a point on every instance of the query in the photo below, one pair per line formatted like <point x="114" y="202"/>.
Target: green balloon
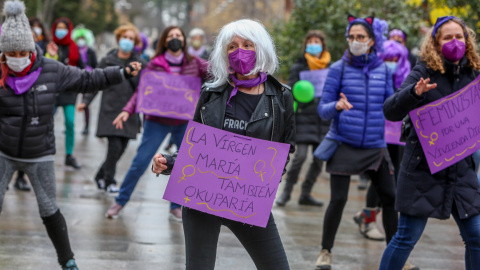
<point x="295" y="106"/>
<point x="303" y="91"/>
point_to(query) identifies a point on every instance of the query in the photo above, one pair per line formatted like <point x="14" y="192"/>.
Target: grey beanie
<point x="16" y="34"/>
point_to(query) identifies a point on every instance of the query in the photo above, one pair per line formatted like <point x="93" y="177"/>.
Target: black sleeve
<point x="92" y="58"/>
<point x="76" y="80"/>
<point x="289" y="124"/>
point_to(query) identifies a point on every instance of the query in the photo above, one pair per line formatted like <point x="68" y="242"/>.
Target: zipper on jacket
<point x="367" y="79"/>
<point x="34" y="94"/>
<point x="24" y="125"/>
<point x="201" y="114"/>
<point x="273" y="118"/>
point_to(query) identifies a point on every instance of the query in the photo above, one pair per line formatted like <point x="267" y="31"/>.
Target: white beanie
<point x="16" y="34"/>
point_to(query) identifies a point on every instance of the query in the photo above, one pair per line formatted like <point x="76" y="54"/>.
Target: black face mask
<point x="174" y="44"/>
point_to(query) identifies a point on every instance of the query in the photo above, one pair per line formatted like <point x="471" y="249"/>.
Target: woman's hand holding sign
<point x="159" y="163"/>
<point x="423" y="86"/>
<point x="343" y="103"/>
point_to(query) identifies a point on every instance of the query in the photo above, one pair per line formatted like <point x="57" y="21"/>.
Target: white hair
<point x="196" y="32"/>
<point x="253" y="31"/>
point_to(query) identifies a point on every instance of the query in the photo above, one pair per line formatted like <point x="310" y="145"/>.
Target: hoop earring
<point x="230" y="70"/>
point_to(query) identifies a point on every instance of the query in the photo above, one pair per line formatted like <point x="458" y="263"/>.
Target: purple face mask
<point x="453" y="50"/>
<point x="242" y="61"/>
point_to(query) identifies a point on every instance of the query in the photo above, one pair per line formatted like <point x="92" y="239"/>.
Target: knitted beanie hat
<point x="16" y="32"/>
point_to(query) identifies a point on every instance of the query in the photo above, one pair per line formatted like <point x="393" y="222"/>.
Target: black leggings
<point x="116" y="147"/>
<point x="396" y="154"/>
<point x="201" y="236"/>
<point x="339" y="185"/>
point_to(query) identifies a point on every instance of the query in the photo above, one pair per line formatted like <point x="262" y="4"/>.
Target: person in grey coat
<point x="29" y="84"/>
<point x="112" y="104"/>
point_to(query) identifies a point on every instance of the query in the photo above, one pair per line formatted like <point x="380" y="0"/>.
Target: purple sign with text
<point x="317" y="78"/>
<point x="166" y="95"/>
<point x="449" y="128"/>
<point x="393" y="130"/>
<point x="227" y="175"/>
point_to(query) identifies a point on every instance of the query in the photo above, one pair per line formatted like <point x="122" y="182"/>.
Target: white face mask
<point x="18" y="64"/>
<point x="37" y="30"/>
<point x="359" y="48"/>
<point x="81" y="43"/>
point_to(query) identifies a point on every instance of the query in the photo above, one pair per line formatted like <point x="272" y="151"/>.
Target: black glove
<point x="127" y="75"/>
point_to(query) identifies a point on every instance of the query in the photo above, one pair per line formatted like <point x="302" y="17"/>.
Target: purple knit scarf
<point x="245" y="83"/>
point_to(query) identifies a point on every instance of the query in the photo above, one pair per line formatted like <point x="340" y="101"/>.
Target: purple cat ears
<point x="442" y="20"/>
<point x="352" y="18"/>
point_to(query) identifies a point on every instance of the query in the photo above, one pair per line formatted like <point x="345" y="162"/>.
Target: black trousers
<point x="313" y="171"/>
<point x="201" y="237"/>
<point x="339" y="184"/>
<point x="116" y="148"/>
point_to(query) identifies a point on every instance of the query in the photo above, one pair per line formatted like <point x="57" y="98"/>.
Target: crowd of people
<point x="376" y="79"/>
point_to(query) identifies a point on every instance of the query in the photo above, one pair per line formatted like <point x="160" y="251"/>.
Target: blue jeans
<point x="410" y="228"/>
<point x="153" y="135"/>
<point x="476" y="159"/>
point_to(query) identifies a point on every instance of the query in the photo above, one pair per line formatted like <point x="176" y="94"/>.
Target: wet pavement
<point x="143" y="237"/>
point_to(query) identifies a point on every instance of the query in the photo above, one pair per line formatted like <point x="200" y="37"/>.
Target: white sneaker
<point x="371" y="232"/>
<point x="409" y="266"/>
<point x="112" y="190"/>
<point x="324" y="261"/>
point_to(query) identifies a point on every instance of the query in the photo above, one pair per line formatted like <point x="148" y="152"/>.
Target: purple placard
<point x="317" y="78"/>
<point x="393" y="130"/>
<point x="449" y="128"/>
<point x="227" y="175"/>
<point x="166" y="95"/>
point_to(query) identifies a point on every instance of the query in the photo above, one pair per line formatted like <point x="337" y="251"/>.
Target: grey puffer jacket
<point x="114" y="98"/>
<point x="26" y="120"/>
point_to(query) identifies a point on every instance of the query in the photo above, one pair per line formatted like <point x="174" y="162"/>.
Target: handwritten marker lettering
<point x="448" y="129"/>
<point x="226" y="174"/>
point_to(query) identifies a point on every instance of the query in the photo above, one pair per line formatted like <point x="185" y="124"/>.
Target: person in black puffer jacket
<point x="449" y="62"/>
<point x="310" y="127"/>
<point x="29" y="84"/>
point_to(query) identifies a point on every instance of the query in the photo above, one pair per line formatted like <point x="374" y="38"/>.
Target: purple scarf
<point x="84" y="55"/>
<point x="245" y="83"/>
<point x="366" y="61"/>
<point x="198" y="52"/>
<point x="21" y="85"/>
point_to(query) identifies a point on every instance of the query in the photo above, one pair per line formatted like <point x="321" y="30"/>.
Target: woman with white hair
<point x="242" y="92"/>
<point x="197" y="39"/>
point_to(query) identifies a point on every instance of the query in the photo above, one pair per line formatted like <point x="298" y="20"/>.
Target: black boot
<point x="285" y="197"/>
<point x="309" y="200"/>
<point x="72" y="162"/>
<point x="21" y="184"/>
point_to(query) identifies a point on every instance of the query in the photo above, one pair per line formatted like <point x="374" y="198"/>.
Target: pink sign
<point x="393" y="130"/>
<point x="227" y="175"/>
<point x="166" y="95"/>
<point x="449" y="128"/>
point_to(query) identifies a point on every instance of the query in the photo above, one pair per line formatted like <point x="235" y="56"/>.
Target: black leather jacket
<point x="272" y="120"/>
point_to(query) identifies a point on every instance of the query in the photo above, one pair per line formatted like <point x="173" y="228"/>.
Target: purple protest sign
<point x="449" y="128"/>
<point x="227" y="175"/>
<point x="317" y="78"/>
<point x="393" y="130"/>
<point x="166" y="95"/>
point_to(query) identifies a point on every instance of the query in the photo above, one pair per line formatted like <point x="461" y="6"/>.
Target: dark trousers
<point x="116" y="147"/>
<point x="396" y="155"/>
<point x="339" y="185"/>
<point x="201" y="237"/>
<point x="313" y="171"/>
